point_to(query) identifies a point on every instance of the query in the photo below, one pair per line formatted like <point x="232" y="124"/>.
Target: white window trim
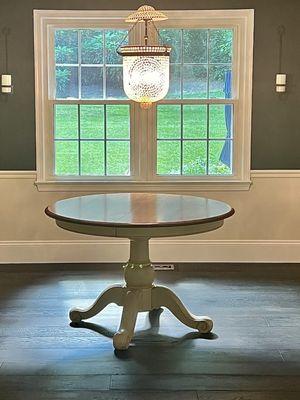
<point x="243" y="23"/>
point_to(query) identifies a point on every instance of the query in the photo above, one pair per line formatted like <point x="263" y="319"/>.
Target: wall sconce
<point x="280" y="83"/>
<point x="280" y="80"/>
<point x="6" y="86"/>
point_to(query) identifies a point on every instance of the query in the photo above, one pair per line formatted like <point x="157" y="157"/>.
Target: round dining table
<point x="139" y="217"/>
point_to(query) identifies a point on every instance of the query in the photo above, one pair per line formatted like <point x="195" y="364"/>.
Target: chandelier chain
<point x="126" y="36"/>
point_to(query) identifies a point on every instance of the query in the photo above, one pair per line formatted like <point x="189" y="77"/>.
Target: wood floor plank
<point x="221" y="395"/>
<point x="106" y="366"/>
<point x="206" y="382"/>
<point x="283" y="321"/>
<point x="263" y="338"/>
<point x="41" y="325"/>
<point x="54" y="383"/>
<point x="141" y="355"/>
<point x="24" y="298"/>
<point x="99" y="395"/>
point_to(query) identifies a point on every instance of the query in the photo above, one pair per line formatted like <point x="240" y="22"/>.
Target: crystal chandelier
<point x="146" y="66"/>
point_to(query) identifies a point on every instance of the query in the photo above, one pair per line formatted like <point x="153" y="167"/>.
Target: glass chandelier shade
<point x="146" y="67"/>
<point x="146" y="75"/>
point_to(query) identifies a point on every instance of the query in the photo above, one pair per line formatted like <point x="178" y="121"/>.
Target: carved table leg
<point x="125" y="333"/>
<point x="162" y="296"/>
<point x="113" y="294"/>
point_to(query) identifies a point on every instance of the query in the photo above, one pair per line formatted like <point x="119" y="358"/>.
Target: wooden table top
<point x="138" y="210"/>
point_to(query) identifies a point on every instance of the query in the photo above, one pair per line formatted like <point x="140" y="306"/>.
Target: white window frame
<point x="143" y="140"/>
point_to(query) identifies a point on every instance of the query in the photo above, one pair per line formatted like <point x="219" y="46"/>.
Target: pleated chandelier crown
<point x="146" y="66"/>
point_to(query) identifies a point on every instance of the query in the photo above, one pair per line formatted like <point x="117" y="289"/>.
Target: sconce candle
<point x="6" y="80"/>
<point x="281" y="79"/>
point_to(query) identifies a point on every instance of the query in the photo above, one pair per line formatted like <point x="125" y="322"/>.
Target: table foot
<point x="113" y="294"/>
<point x="125" y="333"/>
<point x="164" y="297"/>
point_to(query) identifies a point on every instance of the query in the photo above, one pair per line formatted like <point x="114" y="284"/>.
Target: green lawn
<point x="169" y="123"/>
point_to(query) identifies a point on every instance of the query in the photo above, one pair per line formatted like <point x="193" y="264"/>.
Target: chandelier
<point x="145" y="66"/>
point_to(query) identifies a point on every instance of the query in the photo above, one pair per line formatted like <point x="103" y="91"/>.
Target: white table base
<point x="139" y="294"/>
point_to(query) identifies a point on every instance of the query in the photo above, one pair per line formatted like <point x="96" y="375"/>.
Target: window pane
<point x="194" y="157"/>
<point x="201" y="78"/>
<point x="118" y="158"/>
<point x="168" y="121"/>
<point x="92" y="158"/>
<point x="113" y="38"/>
<point x="91" y="46"/>
<point x="168" y="157"/>
<point x="220" y="156"/>
<point x="91" y="121"/>
<point x="66" y="121"/>
<point x="220" y="45"/>
<point x="91" y="83"/>
<point x="114" y="83"/>
<point x="194" y="82"/>
<point x="219" y="81"/>
<point x="66" y="46"/>
<point x="66" y="82"/>
<point x="194" y="121"/>
<point x="66" y="158"/>
<point x="174" y="88"/>
<point x="195" y="46"/>
<point x="220" y="121"/>
<point x="117" y="121"/>
<point x="172" y="37"/>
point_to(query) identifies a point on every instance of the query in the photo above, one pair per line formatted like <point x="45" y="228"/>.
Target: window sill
<point x="123" y="186"/>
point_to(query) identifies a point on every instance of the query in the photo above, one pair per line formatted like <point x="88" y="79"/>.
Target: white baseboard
<point x="114" y="251"/>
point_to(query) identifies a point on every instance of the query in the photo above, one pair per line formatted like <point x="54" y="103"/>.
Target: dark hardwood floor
<point x="252" y="354"/>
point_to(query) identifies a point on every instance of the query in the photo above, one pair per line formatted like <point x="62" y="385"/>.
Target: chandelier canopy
<point x="146" y="66"/>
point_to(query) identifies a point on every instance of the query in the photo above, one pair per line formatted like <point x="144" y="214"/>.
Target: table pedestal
<point x="139" y="294"/>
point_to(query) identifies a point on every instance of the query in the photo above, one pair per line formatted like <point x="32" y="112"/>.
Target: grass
<point x="88" y="158"/>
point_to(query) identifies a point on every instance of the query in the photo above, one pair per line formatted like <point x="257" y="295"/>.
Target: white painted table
<point x="139" y="217"/>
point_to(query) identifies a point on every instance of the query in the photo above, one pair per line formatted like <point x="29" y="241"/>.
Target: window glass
<point x="87" y="63"/>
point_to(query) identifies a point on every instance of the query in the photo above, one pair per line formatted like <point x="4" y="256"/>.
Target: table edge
<point x="220" y="217"/>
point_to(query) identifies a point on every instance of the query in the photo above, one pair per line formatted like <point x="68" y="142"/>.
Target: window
<point x="90" y="134"/>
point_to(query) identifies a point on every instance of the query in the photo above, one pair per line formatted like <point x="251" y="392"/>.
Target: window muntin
<point x="197" y="139"/>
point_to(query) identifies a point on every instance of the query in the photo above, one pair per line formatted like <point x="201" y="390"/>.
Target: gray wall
<point x="276" y="121"/>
